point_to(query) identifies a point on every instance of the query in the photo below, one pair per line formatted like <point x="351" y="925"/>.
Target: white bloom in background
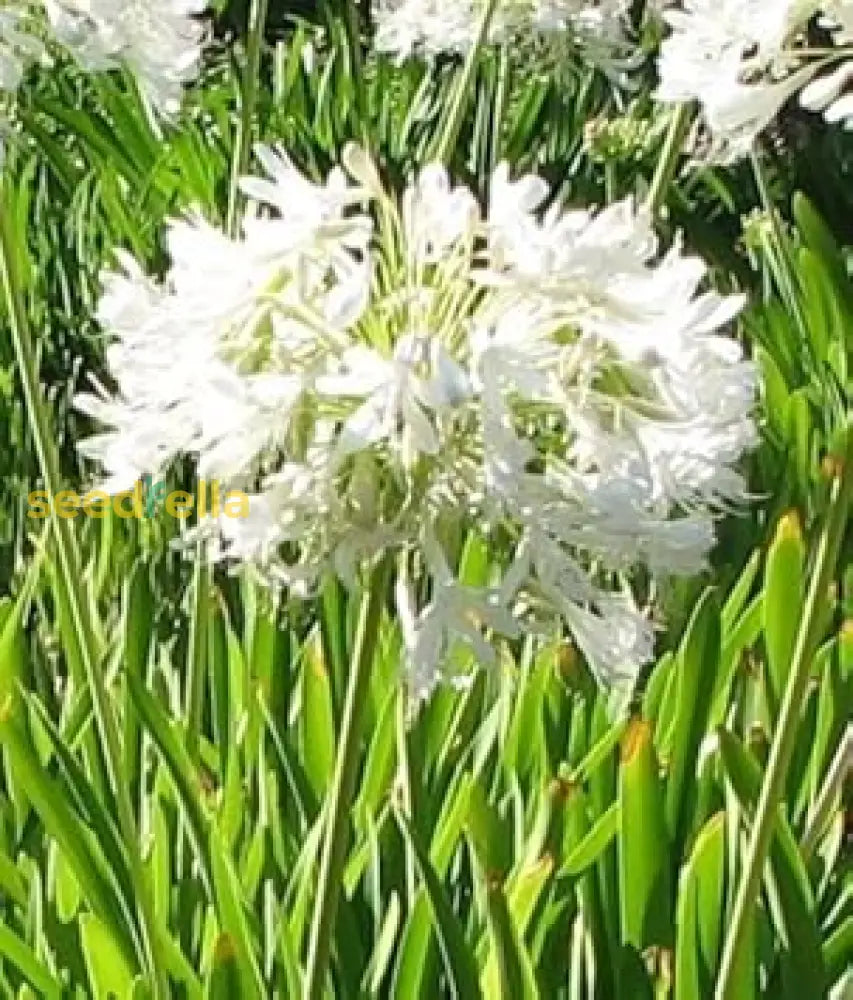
<point x="831" y="92"/>
<point x="433" y="27"/>
<point x="742" y="60"/>
<point x="159" y="41"/>
<point x="18" y="46"/>
<point x="427" y="26"/>
<point x="543" y="375"/>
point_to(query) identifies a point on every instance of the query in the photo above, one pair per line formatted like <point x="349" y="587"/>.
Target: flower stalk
<point x="339" y="802"/>
<point x="239" y="166"/>
<point x="829" y="796"/>
<point x="781" y="259"/>
<point x="353" y="28"/>
<point x="668" y="162"/>
<point x="249" y="100"/>
<point x="448" y="134"/>
<point x="785" y="737"/>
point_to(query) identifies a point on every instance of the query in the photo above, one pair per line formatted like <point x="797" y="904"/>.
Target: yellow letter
<point x="96" y="504"/>
<point x="67" y="505"/>
<point x="135" y="497"/>
<point x="179" y="505"/>
<point x="39" y="502"/>
<point x="238" y="499"/>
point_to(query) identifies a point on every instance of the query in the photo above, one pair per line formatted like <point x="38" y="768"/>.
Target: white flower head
<point x="433" y="27"/>
<point x="742" y="60"/>
<point x="543" y="375"/>
<point x="159" y="41"/>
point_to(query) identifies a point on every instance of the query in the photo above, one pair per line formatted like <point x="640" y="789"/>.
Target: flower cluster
<point x="432" y="27"/>
<point x="384" y="375"/>
<point x="159" y="41"/>
<point x="744" y="59"/>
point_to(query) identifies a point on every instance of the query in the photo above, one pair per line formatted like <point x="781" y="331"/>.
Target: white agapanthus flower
<point x="742" y="60"/>
<point x="433" y="27"/>
<point x="384" y="381"/>
<point x="159" y="41"/>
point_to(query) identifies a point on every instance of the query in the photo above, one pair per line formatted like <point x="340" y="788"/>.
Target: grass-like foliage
<point x="214" y="787"/>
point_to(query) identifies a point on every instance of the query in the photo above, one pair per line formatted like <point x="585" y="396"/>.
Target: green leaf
<point x="787" y="883"/>
<point x="87" y="803"/>
<point x="67" y="889"/>
<point x="224" y="982"/>
<point x="822" y="243"/>
<point x="700" y="912"/>
<point x="109" y="973"/>
<point x="644" y="865"/>
<point x="594" y="844"/>
<point x="489" y="837"/>
<point x="508" y="973"/>
<point x="415" y="957"/>
<point x="16" y="951"/>
<point x="181" y="770"/>
<point x="783" y="603"/>
<point x="317" y="720"/>
<point x="49" y="799"/>
<point x="458" y="957"/>
<point x="230" y="906"/>
<point x="697" y="665"/>
<point x="739" y="594"/>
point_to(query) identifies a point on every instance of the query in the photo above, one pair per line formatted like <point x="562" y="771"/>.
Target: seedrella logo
<point x="153" y="494"/>
<point x="156" y="495"/>
<point x="146" y="500"/>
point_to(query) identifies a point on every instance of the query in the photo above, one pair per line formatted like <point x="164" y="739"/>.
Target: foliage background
<point x="510" y="840"/>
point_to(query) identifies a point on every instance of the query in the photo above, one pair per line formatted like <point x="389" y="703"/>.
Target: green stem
<point x="72" y="576"/>
<point x="829" y="796"/>
<point x="784" y="740"/>
<point x="781" y="259"/>
<point x="502" y="92"/>
<point x="239" y="167"/>
<point x="353" y="26"/>
<point x="451" y="126"/>
<point x="249" y="100"/>
<point x="611" y="185"/>
<point x="407" y="797"/>
<point x="197" y="654"/>
<point x="668" y="162"/>
<point x="339" y="801"/>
